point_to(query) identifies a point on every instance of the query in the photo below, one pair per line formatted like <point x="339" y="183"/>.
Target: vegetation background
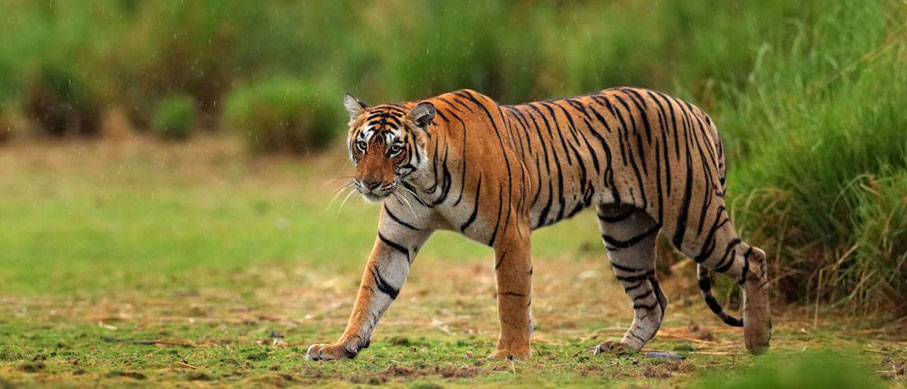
<point x="172" y="150"/>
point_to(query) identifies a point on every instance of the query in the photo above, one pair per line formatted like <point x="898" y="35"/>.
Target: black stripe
<point x="625" y="268"/>
<point x="635" y="286"/>
<point x="718" y="311"/>
<point x="681" y="225"/>
<point x="503" y="152"/>
<point x="394" y="245"/>
<point x="746" y="265"/>
<point x="663" y="120"/>
<point x="624" y="244"/>
<point x="647" y="294"/>
<point x="640" y="105"/>
<point x="640" y="277"/>
<point x="641" y="184"/>
<point x="494" y="233"/>
<point x="647" y="307"/>
<point x="722" y="267"/>
<point x="500" y="260"/>
<point x="616" y="218"/>
<point x="383" y="286"/>
<point x="475" y="207"/>
<point x="397" y="219"/>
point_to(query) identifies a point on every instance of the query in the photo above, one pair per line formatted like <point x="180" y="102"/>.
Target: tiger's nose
<point x="371" y="184"/>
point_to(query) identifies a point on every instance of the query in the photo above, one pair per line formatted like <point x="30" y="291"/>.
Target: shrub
<point x="285" y="114"/>
<point x="175" y="117"/>
<point x="6" y="128"/>
<point x="173" y="48"/>
<point x="61" y="103"/>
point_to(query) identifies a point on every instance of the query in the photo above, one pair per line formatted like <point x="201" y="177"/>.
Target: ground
<point x="137" y="262"/>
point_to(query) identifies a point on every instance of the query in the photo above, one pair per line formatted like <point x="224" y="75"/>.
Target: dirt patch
<point x="701" y="333"/>
<point x="198" y="376"/>
<point x="458" y="372"/>
<point x="127" y="374"/>
<point x="33" y="367"/>
<point x="664" y="369"/>
<point x="394" y="372"/>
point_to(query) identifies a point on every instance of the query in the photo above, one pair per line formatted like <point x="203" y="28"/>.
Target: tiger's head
<point x="386" y="144"/>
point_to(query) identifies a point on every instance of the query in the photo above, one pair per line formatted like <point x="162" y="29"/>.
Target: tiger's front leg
<point x="513" y="270"/>
<point x="386" y="271"/>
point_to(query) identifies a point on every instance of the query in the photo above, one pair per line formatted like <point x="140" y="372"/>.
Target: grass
<point x="150" y="263"/>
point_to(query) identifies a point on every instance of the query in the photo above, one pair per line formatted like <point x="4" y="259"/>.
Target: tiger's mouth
<point x="377" y="194"/>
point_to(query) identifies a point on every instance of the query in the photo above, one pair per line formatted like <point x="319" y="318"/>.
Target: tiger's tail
<point x="705" y="285"/>
<point x="704" y="274"/>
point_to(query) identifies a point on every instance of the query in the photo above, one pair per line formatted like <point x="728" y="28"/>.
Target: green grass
<point x="245" y="354"/>
<point x="135" y="222"/>
<point x="173" y="264"/>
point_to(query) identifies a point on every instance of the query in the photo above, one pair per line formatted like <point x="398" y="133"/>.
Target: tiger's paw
<point x="612" y="347"/>
<point x="511" y="355"/>
<point x="328" y="352"/>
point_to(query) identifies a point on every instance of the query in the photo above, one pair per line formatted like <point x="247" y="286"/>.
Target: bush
<point x="61" y="103"/>
<point x="6" y="128"/>
<point x="175" y="117"/>
<point x="175" y="48"/>
<point x="285" y="114"/>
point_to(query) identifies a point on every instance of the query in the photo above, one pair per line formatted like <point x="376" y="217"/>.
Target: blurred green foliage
<point x="283" y="113"/>
<point x="810" y="370"/>
<point x="805" y="93"/>
<point x="175" y="117"/>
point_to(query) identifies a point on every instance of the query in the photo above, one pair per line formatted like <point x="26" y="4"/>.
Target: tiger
<point x="647" y="162"/>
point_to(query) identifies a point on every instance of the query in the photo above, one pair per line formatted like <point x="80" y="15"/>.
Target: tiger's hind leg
<point x="721" y="250"/>
<point x="629" y="235"/>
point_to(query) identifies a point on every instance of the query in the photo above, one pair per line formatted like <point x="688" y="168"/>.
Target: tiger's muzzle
<point x="375" y="190"/>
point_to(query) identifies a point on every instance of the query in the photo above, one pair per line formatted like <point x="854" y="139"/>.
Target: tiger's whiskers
<point x="408" y="190"/>
<point x="337" y="193"/>
<point x="344" y="201"/>
<point x="331" y="180"/>
<point x="403" y="200"/>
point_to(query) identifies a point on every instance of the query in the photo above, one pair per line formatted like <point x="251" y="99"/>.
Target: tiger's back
<point x="620" y="146"/>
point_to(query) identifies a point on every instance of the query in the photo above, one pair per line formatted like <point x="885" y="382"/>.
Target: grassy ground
<point x="132" y="262"/>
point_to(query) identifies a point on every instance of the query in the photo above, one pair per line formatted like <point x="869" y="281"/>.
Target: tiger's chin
<point x="375" y="198"/>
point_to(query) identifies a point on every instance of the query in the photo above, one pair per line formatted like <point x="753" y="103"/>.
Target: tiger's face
<point x="386" y="144"/>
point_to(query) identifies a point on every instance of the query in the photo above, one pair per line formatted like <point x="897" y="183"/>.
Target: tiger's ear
<point x="422" y="115"/>
<point x="353" y="106"/>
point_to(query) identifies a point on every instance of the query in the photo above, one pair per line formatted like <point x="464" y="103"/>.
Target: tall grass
<point x="817" y="121"/>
